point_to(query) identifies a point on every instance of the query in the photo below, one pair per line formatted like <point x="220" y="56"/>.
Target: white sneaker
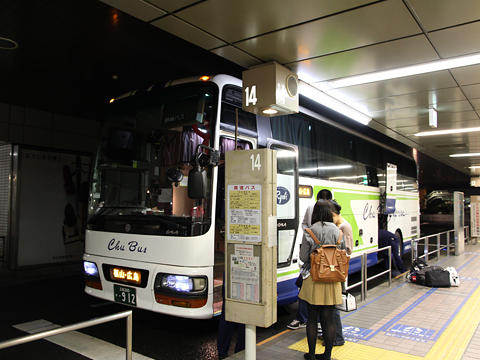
<point x="296" y="324"/>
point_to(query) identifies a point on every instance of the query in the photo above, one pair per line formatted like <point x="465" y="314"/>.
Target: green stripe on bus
<point x="404" y="197"/>
<point x="371" y="247"/>
<point x="288" y="273"/>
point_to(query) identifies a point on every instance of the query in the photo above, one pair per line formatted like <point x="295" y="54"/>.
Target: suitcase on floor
<point x="436" y="276"/>
<point x="454" y="279"/>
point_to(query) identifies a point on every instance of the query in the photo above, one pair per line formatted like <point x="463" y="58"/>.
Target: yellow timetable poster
<point x="244" y="212"/>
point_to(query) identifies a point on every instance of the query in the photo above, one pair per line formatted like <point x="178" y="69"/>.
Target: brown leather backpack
<point x="328" y="263"/>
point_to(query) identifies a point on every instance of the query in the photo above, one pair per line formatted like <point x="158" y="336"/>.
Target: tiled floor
<point x="405" y="321"/>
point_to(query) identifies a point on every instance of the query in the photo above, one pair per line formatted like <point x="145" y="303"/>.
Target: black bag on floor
<point x="436" y="276"/>
<point x="417" y="276"/>
<point x="417" y="271"/>
<point x="418" y="264"/>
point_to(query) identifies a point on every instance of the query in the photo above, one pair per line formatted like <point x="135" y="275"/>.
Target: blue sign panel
<point x="410" y="333"/>
<point x="355" y="333"/>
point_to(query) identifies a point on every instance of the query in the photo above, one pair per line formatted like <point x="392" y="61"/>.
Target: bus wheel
<point x="400" y="244"/>
<point x="291" y="308"/>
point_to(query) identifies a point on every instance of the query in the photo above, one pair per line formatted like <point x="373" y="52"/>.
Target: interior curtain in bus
<point x="294" y="129"/>
<point x="181" y="147"/>
<point x="227" y="144"/>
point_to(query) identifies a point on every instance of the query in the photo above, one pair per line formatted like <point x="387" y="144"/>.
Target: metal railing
<point x="81" y="325"/>
<point x="364" y="274"/>
<point x="439" y="247"/>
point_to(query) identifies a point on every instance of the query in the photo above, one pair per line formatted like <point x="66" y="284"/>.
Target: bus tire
<point x="400" y="244"/>
<point x="291" y="308"/>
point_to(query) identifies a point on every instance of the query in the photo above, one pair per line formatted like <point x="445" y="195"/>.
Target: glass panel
<point x="287" y="201"/>
<point x="286" y="240"/>
<point x="147" y="149"/>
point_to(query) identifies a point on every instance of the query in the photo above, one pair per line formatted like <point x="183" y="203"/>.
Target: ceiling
<point x="86" y="51"/>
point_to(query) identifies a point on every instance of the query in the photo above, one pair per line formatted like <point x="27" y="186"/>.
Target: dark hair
<point x="336" y="208"/>
<point x="324" y="194"/>
<point x="322" y="211"/>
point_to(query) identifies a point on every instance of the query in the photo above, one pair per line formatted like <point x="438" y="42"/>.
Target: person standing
<point x="300" y="320"/>
<point x="347" y="231"/>
<point x="320" y="297"/>
<point x="323" y="194"/>
<point x="343" y="225"/>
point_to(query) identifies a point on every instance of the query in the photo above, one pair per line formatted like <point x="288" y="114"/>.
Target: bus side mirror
<point x="197" y="177"/>
<point x="197" y="183"/>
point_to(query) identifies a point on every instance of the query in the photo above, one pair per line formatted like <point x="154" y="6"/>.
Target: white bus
<point x="153" y="243"/>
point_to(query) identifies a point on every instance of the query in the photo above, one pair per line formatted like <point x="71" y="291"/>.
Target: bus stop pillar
<point x="251" y="241"/>
<point x="458" y="222"/>
<point x="250" y="342"/>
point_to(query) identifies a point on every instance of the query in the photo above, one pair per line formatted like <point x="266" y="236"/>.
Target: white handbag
<point x="349" y="303"/>
<point x="454" y="279"/>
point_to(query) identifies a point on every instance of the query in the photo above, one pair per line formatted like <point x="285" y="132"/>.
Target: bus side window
<point x="372" y="176"/>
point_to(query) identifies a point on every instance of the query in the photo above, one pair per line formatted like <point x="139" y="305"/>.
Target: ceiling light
<point x="465" y="155"/>
<point x="432" y="118"/>
<point x="270" y="111"/>
<point x="443" y="132"/>
<point x="205" y="78"/>
<point x="285" y="154"/>
<point x="332" y="103"/>
<point x="333" y="167"/>
<point x="348" y="177"/>
<point x="406" y="71"/>
<point x="474" y="167"/>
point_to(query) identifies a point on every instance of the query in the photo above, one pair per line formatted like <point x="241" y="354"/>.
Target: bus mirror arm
<point x="211" y="157"/>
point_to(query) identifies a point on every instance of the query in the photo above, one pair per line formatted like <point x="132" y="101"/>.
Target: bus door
<point x="287" y="200"/>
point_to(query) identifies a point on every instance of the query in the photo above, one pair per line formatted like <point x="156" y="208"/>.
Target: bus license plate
<point x="125" y="295"/>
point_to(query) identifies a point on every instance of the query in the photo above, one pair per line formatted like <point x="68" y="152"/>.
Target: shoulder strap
<point x="313" y="236"/>
<point x="339" y="238"/>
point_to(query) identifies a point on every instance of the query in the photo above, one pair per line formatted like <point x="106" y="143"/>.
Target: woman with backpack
<point x="321" y="297"/>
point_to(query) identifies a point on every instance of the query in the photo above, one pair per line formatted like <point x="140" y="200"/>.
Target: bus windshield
<point x="146" y="151"/>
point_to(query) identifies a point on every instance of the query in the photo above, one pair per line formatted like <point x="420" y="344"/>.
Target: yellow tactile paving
<point x="353" y="351"/>
<point x="454" y="340"/>
<point x="450" y="345"/>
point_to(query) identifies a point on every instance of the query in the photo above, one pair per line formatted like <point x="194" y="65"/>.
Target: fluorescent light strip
<point x="332" y="103"/>
<point x="348" y="177"/>
<point x="407" y="71"/>
<point x="465" y="155"/>
<point x="333" y="167"/>
<point x="443" y="132"/>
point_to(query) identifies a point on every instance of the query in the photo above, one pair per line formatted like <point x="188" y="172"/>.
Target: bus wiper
<point x="101" y="210"/>
<point x="96" y="217"/>
<point x="168" y="222"/>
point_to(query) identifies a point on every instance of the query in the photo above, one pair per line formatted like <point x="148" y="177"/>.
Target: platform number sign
<point x="251" y="95"/>
<point x="255" y="162"/>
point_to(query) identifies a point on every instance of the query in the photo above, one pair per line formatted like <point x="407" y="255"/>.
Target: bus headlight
<point x="91" y="275"/>
<point x="90" y="268"/>
<point x="182" y="283"/>
<point x="181" y="290"/>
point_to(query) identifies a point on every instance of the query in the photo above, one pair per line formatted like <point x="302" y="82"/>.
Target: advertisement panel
<point x="52" y="194"/>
